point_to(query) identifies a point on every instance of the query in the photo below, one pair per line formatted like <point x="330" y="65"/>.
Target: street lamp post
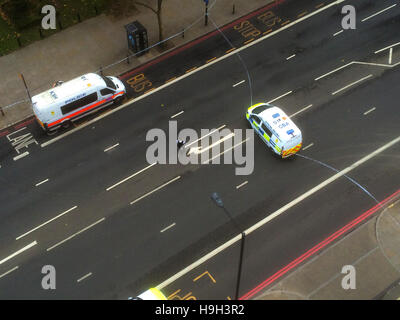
<point x="206" y="14"/>
<point x="216" y="198"/>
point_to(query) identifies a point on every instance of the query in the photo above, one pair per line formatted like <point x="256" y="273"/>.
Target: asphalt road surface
<point x="69" y="204"/>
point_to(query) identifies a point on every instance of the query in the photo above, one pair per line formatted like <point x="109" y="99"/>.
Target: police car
<point x="275" y="128"/>
<point x="74" y="99"/>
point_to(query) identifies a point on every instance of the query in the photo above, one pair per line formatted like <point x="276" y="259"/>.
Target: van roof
<point x="277" y="119"/>
<point x="68" y="89"/>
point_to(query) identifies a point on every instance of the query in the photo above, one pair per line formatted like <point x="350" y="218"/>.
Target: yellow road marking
<point x="301" y="14"/>
<point x="320" y="5"/>
<point x="191" y="69"/>
<point x="206" y="272"/>
<point x="268" y="31"/>
<point x="249" y="41"/>
<point x="212" y="59"/>
<point x="170" y="80"/>
<point x="176" y="292"/>
<point x="230" y="50"/>
<point x="285" y="23"/>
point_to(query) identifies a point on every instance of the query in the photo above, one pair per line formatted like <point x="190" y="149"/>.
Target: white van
<point x="75" y="99"/>
<point x="275" y="128"/>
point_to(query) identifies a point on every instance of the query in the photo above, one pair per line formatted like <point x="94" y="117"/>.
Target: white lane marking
<point x="41" y="182"/>
<point x="242" y="184"/>
<point x="379" y="12"/>
<point x="34" y="243"/>
<point x="333" y="71"/>
<point x="352" y="84"/>
<point x="131" y="176"/>
<point x="358" y="62"/>
<point x="390" y="55"/>
<point x="339" y="32"/>
<point x="252" y="43"/>
<point x="233" y="147"/>
<point x="301" y="110"/>
<point x="21" y="155"/>
<point x="290" y="57"/>
<point x="239" y="83"/>
<point x="156" y="189"/>
<point x="84" y="277"/>
<point x="370" y="110"/>
<point x="281" y="96"/>
<point x="169" y="227"/>
<point x="47" y="222"/>
<point x="23" y="128"/>
<point x="309" y="146"/>
<point x="201" y="150"/>
<point x="388" y="47"/>
<point x="276" y="214"/>
<point x="177" y="114"/>
<point x="201" y="138"/>
<point x="112" y="147"/>
<point x="75" y="234"/>
<point x="9" y="271"/>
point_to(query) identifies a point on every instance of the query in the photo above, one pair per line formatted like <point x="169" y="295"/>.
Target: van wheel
<point x="118" y="101"/>
<point x="66" y="124"/>
<point x="51" y="133"/>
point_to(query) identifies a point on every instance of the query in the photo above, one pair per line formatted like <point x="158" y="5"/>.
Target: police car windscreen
<point x="109" y="82"/>
<point x="260" y="109"/>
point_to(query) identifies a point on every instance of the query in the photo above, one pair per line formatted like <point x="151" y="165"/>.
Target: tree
<point x="157" y="12"/>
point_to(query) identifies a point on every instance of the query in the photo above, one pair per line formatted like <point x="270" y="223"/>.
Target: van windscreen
<point x="109" y="82"/>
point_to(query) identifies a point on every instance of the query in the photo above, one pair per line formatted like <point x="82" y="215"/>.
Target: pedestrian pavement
<point x="100" y="43"/>
<point x="373" y="249"/>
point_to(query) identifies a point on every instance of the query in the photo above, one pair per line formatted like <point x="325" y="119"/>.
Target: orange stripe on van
<point x="83" y="110"/>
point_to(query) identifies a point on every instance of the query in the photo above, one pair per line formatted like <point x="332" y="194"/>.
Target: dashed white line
<point x="309" y="146"/>
<point x="84" y="277"/>
<point x="41" y="182"/>
<point x="290" y="57"/>
<point x="370" y="110"/>
<point x="9" y="271"/>
<point x="276" y="214"/>
<point x="112" y="147"/>
<point x="339" y="32"/>
<point x="379" y="12"/>
<point x="169" y="227"/>
<point x="131" y="176"/>
<point x="281" y="96"/>
<point x="352" y="84"/>
<point x="34" y="243"/>
<point x="209" y="160"/>
<point x="75" y="234"/>
<point x="21" y="155"/>
<point x="177" y="114"/>
<point x="170" y="83"/>
<point x="201" y="138"/>
<point x="201" y="150"/>
<point x="239" y="83"/>
<point x="300" y="111"/>
<point x="156" y="189"/>
<point x="47" y="222"/>
<point x="242" y="184"/>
